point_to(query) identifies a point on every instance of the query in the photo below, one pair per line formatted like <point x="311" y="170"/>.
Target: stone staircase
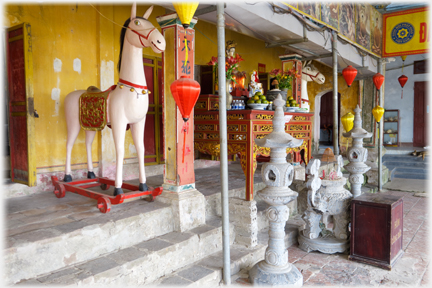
<point x="51" y="241"/>
<point x="406" y="166"/>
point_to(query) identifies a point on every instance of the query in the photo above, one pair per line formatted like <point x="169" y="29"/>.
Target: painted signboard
<point x="358" y="23"/>
<point x="407" y="32"/>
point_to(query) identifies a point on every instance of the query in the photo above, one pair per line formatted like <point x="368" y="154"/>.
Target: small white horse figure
<point x="127" y="103"/>
<point x="309" y="73"/>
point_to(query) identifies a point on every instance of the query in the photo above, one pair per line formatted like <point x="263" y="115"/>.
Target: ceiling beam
<point x="286" y="42"/>
<point x="318" y="57"/>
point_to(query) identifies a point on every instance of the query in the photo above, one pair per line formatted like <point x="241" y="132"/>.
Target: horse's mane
<point x="122" y="36"/>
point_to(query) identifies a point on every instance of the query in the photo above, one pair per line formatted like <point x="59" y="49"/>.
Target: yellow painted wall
<point x="349" y="95"/>
<point x="67" y="32"/>
<point x="253" y="51"/>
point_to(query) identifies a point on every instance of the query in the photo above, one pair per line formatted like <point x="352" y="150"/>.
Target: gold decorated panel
<point x="200" y="105"/>
<point x="206" y="117"/>
<point x="206" y="127"/>
<point x="235" y="117"/>
<point x="214" y="105"/>
<point x="264" y="116"/>
<point x="263" y="128"/>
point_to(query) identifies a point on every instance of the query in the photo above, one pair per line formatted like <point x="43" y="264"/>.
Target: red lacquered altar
<point x="243" y="126"/>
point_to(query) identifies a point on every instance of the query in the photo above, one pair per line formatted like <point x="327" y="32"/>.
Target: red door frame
<point x="421" y="104"/>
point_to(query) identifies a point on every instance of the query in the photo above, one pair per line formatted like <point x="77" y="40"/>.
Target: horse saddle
<point x="93" y="108"/>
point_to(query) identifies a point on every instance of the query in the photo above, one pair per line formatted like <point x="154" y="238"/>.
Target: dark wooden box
<point x="377" y="229"/>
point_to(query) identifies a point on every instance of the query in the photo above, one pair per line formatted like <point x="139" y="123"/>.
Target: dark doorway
<point x="421" y="112"/>
<point x="326" y="118"/>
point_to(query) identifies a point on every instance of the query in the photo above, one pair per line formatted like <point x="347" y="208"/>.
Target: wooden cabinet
<point x="391" y="128"/>
<point x="377" y="229"/>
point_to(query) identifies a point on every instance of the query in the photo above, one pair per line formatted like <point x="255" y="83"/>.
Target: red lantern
<point x="349" y="73"/>
<point x="402" y="80"/>
<point x="378" y="80"/>
<point x="185" y="92"/>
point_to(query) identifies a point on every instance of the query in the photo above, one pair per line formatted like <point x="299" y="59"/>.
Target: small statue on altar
<point x="254" y="85"/>
<point x="230" y="48"/>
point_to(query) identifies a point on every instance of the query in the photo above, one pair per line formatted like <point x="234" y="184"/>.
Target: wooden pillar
<point x="178" y="60"/>
<point x="291" y="61"/>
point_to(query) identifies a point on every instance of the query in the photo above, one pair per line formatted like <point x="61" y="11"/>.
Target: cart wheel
<point x="104" y="204"/>
<point x="150" y="198"/>
<point x="59" y="190"/>
<point x="104" y="186"/>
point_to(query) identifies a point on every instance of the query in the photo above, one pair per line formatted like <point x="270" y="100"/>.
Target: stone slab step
<point x="208" y="271"/>
<point x="144" y="262"/>
<point x="49" y="237"/>
<point x="404" y="175"/>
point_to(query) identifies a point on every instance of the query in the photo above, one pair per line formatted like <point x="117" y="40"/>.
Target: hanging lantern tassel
<point x="402" y="80"/>
<point x="185" y="131"/>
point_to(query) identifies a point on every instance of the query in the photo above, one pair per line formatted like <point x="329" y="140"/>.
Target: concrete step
<point x="404" y="175"/>
<point x="208" y="271"/>
<point x="50" y="237"/>
<point x="143" y="263"/>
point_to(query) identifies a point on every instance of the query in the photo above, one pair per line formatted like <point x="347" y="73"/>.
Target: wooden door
<point x="153" y="133"/>
<point x="326" y="115"/>
<point x="421" y="110"/>
<point x="21" y="105"/>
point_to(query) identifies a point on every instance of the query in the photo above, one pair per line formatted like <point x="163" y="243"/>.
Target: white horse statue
<point x="309" y="73"/>
<point x="127" y="102"/>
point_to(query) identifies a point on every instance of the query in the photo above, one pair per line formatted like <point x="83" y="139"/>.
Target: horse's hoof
<point x="118" y="191"/>
<point x="67" y="178"/>
<point x="91" y="175"/>
<point x="143" y="187"/>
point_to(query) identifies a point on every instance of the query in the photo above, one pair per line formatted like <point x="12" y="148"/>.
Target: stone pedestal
<point x="188" y="208"/>
<point x="372" y="161"/>
<point x="244" y="216"/>
<point x="277" y="174"/>
<point x="357" y="154"/>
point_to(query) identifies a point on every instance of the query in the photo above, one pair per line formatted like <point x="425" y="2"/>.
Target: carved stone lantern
<point x="357" y="155"/>
<point x="277" y="175"/>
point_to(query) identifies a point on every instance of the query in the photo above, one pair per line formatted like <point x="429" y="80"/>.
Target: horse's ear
<point x="133" y="11"/>
<point x="148" y="12"/>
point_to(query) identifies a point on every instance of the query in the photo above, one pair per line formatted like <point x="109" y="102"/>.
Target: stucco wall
<point x="66" y="34"/>
<point x="393" y="94"/>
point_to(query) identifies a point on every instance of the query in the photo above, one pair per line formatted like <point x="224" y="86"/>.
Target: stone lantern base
<point x="328" y="245"/>
<point x="267" y="274"/>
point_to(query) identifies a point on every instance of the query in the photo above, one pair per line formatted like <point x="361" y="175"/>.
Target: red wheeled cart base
<point x="104" y="201"/>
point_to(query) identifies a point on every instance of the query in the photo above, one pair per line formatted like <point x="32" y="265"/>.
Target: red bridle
<point x="311" y="76"/>
<point x="141" y="35"/>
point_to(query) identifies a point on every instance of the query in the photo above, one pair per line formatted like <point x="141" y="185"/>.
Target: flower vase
<point x="229" y="97"/>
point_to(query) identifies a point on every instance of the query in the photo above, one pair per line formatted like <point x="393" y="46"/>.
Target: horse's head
<point x="141" y="32"/>
<point x="311" y="73"/>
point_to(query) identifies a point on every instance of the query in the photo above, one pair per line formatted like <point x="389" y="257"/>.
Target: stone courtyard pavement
<point x="411" y="269"/>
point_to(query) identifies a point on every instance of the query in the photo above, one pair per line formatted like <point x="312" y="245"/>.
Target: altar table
<point x="243" y="126"/>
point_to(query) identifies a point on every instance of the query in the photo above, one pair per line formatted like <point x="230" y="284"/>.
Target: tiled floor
<point x="411" y="269"/>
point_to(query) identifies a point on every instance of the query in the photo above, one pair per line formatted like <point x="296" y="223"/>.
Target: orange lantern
<point x="185" y="92"/>
<point x="349" y="73"/>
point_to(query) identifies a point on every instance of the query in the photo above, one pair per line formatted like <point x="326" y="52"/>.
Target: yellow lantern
<point x="185" y="11"/>
<point x="378" y="112"/>
<point x="348" y="121"/>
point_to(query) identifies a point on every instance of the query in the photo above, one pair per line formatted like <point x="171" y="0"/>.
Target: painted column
<point x="179" y="175"/>
<point x="293" y="61"/>
<point x="357" y="154"/>
<point x="107" y="152"/>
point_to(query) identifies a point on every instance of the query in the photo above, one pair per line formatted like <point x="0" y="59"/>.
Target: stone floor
<point x="411" y="269"/>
